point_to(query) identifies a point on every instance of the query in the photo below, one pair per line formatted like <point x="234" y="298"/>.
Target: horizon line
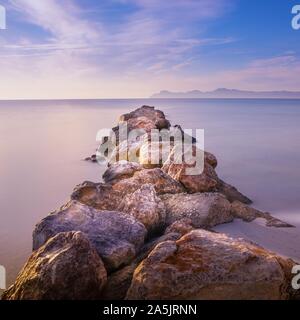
<point x="146" y="98"/>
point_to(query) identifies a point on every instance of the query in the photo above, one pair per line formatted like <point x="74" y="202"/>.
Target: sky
<point x="77" y="49"/>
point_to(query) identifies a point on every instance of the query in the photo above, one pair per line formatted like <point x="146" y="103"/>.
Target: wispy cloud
<point x="59" y="48"/>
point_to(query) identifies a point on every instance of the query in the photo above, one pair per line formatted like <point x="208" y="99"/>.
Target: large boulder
<point x="161" y="181"/>
<point x="67" y="267"/>
<point x="116" y="237"/>
<point x="146" y="207"/>
<point x="205" y="210"/>
<point x="210" y="266"/>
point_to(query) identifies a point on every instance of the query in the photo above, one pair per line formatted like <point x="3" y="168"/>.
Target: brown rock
<point x="182" y="227"/>
<point x="118" y="283"/>
<point x="210" y="266"/>
<point x="204" y="181"/>
<point x="146" y="112"/>
<point x="211" y="159"/>
<point x="67" y="267"/>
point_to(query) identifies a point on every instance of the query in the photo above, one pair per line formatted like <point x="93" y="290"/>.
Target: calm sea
<point x="43" y="144"/>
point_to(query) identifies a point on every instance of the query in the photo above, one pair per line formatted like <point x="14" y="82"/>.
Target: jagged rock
<point x="162" y="182"/>
<point x="231" y="193"/>
<point x="210" y="266"/>
<point x="205" y="210"/>
<point x="116" y="237"/>
<point x="97" y="195"/>
<point x="241" y="211"/>
<point x="146" y="207"/>
<point x="182" y="227"/>
<point x="121" y="170"/>
<point x="67" y="267"/>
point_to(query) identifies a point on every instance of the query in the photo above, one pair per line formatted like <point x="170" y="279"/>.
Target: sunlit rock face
<point x="67" y="267"/>
<point x="210" y="266"/>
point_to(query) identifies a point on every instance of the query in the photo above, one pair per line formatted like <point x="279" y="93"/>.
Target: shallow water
<point x="42" y="144"/>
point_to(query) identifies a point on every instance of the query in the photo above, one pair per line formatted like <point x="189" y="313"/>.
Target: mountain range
<point x="223" y="93"/>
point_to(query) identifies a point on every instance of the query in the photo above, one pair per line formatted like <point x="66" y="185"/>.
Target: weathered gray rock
<point x="116" y="237"/>
<point x="162" y="182"/>
<point x="121" y="170"/>
<point x="241" y="211"/>
<point x="67" y="267"/>
<point x="206" y="265"/>
<point x="205" y="210"/>
<point x="146" y="207"/>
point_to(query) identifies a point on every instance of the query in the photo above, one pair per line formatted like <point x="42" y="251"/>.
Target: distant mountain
<point x="223" y="93"/>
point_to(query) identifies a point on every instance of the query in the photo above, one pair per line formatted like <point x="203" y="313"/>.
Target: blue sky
<point x="133" y="48"/>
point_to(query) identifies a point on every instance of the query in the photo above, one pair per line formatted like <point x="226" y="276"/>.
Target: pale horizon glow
<point x="75" y="49"/>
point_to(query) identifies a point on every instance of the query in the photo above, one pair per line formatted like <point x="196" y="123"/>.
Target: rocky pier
<point x="145" y="232"/>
